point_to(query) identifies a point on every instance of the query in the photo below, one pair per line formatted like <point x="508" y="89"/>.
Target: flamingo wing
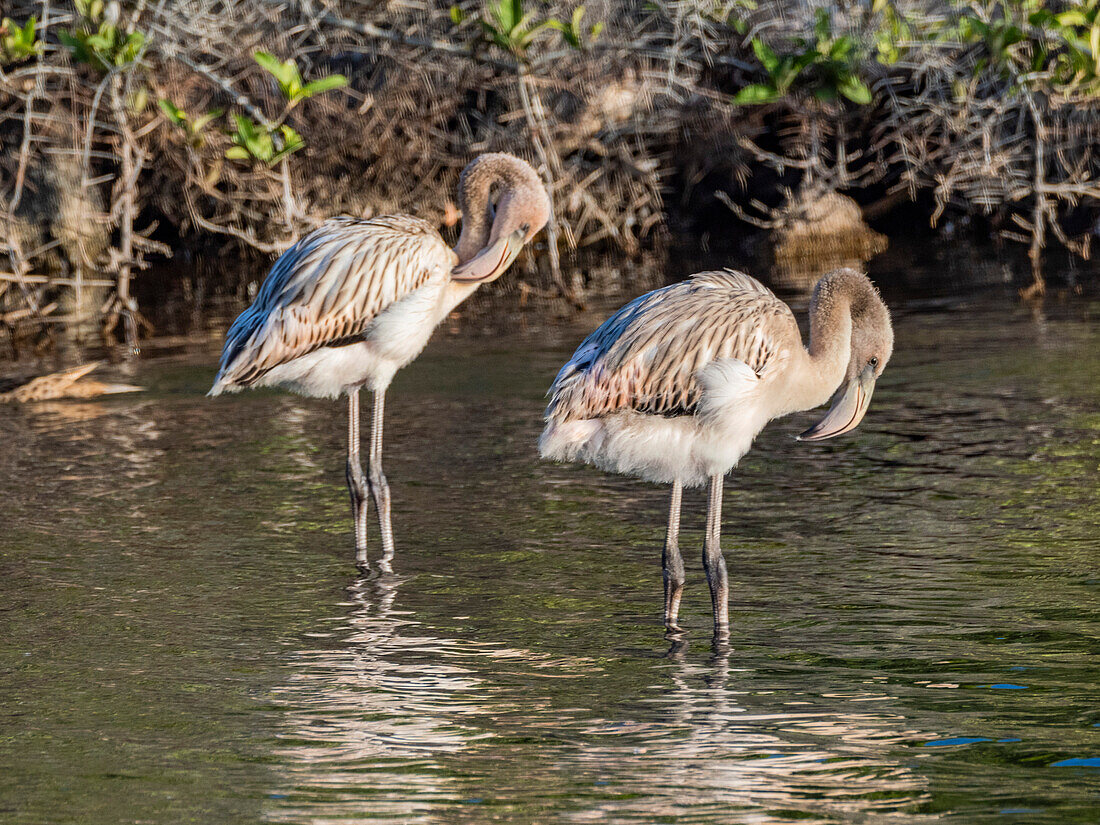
<point x="648" y="356"/>
<point x="328" y="288"/>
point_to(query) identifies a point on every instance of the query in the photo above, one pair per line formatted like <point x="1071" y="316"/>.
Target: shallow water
<point x="915" y="607"/>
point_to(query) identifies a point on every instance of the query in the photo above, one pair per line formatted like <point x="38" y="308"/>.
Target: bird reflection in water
<point x="721" y="748"/>
<point x="369" y="719"/>
<point x="392" y="721"/>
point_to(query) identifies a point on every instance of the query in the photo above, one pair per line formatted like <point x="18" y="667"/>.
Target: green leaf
<point x="1041" y="18"/>
<point x="245" y="127"/>
<point x="755" y="94"/>
<point x="457" y="15"/>
<point x="290" y="137"/>
<point x="841" y="48"/>
<point x="525" y="33"/>
<point x="203" y="120"/>
<point x="854" y="89"/>
<point x="237" y="153"/>
<point x="768" y="59"/>
<point x="522" y="28"/>
<point x="887" y="53"/>
<point x="789" y="70"/>
<point x="138" y="100"/>
<point x="508" y="14"/>
<point x="104" y="48"/>
<point x="173" y="112"/>
<point x="285" y="72"/>
<point x="268" y="62"/>
<point x="516" y="12"/>
<point x="131" y="49"/>
<point x="17" y="42"/>
<point x="971" y="28"/>
<point x="1011" y="35"/>
<point x="803" y="60"/>
<point x="292" y="142"/>
<point x="324" y="84"/>
<point x="1073" y="17"/>
<point x="261" y="147"/>
<point x="90" y="10"/>
<point x="567" y="34"/>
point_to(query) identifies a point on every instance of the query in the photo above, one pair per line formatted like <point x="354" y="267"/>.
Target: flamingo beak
<point x="491" y="262"/>
<point x="847" y="411"/>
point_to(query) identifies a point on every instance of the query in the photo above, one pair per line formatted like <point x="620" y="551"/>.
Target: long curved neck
<point x="477" y="213"/>
<point x="518" y="183"/>
<point x="830" y="326"/>
<point x="521" y="191"/>
<point x="830" y="347"/>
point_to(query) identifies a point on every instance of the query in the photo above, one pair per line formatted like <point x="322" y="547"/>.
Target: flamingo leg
<point x="376" y="480"/>
<point x="714" y="563"/>
<point x="357" y="482"/>
<point x="672" y="562"/>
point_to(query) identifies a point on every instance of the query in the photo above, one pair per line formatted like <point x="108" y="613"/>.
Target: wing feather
<point x="648" y="356"/>
<point x="328" y="288"/>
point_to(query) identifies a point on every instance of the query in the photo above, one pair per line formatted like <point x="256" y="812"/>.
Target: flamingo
<point x="354" y="301"/>
<point x="675" y="386"/>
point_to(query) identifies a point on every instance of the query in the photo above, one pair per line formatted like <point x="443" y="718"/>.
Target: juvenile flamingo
<point x="675" y="386"/>
<point x="356" y="300"/>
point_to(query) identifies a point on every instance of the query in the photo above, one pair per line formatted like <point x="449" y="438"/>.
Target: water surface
<point x="915" y="608"/>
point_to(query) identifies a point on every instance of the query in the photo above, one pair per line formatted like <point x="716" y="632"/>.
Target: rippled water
<point x="915" y="608"/>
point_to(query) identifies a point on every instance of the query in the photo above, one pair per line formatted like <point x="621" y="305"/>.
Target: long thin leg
<point x="376" y="479"/>
<point x="357" y="482"/>
<point x="672" y="562"/>
<point x="714" y="563"/>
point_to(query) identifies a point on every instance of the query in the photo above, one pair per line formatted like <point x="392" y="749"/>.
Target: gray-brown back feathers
<point x="647" y="356"/>
<point x="328" y="288"/>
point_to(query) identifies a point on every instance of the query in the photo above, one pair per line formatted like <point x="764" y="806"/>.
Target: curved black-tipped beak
<point x="492" y="261"/>
<point x="847" y="411"/>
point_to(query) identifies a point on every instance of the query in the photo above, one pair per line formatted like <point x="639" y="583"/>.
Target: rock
<point x="820" y="232"/>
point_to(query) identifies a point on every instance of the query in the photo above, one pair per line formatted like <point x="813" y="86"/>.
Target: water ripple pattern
<point x="914" y="608"/>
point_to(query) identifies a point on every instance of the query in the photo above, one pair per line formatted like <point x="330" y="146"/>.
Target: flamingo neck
<point x="477" y="213"/>
<point x="455" y="292"/>
<point x="830" y="349"/>
<point x="522" y="200"/>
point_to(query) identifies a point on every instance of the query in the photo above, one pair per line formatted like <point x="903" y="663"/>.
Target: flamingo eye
<point x="526" y="228"/>
<point x="874" y="361"/>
